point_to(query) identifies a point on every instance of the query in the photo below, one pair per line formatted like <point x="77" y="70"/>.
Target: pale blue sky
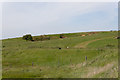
<point x="57" y="17"/>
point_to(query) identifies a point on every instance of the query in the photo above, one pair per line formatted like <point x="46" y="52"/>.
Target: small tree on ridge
<point x="28" y="37"/>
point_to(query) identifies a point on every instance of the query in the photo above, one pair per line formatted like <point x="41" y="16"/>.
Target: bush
<point x="110" y="46"/>
<point x="28" y="37"/>
<point x="61" y="36"/>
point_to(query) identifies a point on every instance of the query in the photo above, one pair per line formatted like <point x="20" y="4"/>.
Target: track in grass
<point x="84" y="44"/>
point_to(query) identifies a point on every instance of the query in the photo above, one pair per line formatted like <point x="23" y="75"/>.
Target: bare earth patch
<point x="84" y="44"/>
<point x="73" y="66"/>
<point x="96" y="70"/>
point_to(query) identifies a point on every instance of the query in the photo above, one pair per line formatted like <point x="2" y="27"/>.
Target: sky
<point x="38" y="18"/>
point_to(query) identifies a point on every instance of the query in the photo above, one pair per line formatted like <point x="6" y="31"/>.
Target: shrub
<point x="3" y="46"/>
<point x="110" y="46"/>
<point x="28" y="37"/>
<point x="61" y="36"/>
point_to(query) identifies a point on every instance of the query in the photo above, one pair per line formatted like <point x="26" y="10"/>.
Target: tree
<point x="28" y="37"/>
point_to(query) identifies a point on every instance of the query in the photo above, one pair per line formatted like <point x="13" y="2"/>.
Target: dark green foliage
<point x="61" y="36"/>
<point x="28" y="37"/>
<point x="118" y="37"/>
<point x="3" y="46"/>
<point x="110" y="46"/>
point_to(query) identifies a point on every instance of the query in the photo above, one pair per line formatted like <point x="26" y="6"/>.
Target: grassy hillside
<point x="28" y="59"/>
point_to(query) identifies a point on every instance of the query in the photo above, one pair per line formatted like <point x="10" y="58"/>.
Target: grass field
<point x="43" y="59"/>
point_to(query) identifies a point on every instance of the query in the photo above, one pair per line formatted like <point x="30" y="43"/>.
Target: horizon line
<point x="59" y="33"/>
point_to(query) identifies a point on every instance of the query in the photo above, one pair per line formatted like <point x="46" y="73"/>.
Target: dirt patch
<point x="84" y="44"/>
<point x="76" y="66"/>
<point x="96" y="70"/>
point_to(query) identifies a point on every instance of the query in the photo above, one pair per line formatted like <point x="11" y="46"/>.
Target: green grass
<point x="43" y="59"/>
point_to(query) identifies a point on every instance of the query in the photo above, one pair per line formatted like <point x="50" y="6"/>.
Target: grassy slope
<point x="48" y="61"/>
